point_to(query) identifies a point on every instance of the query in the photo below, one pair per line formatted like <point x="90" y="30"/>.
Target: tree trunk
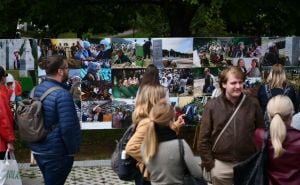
<point x="180" y="15"/>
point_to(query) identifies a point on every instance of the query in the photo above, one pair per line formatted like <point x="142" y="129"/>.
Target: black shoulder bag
<point x="254" y="169"/>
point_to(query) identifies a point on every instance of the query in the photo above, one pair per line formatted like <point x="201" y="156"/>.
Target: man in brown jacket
<point x="236" y="143"/>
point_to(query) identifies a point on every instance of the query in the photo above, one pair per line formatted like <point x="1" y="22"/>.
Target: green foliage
<point x="155" y="18"/>
<point x="11" y="11"/>
<point x="208" y="22"/>
<point x="151" y="20"/>
<point x="67" y="35"/>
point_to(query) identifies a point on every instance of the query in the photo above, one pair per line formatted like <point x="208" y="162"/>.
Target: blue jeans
<point x="55" y="169"/>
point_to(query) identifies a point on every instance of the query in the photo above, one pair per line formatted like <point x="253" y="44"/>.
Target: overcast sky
<point x="184" y="45"/>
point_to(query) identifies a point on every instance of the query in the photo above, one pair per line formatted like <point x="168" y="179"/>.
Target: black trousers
<point x="139" y="180"/>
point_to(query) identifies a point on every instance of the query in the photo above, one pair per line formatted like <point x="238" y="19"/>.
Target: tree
<point x="180" y="14"/>
<point x="261" y="18"/>
<point x="11" y="11"/>
<point x="208" y="21"/>
<point x="180" y="18"/>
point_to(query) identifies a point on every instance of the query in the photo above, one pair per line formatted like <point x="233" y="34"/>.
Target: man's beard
<point x="65" y="78"/>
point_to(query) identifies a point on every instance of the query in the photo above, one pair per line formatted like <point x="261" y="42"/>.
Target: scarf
<point x="164" y="133"/>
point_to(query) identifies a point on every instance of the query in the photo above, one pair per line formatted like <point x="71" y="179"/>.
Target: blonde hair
<point x="162" y="114"/>
<point x="147" y="97"/>
<point x="280" y="110"/>
<point x="277" y="76"/>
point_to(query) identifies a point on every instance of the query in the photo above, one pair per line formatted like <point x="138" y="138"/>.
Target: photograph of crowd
<point x="63" y="47"/>
<point x="96" y="111"/>
<point x="131" y="52"/>
<point x="79" y="52"/>
<point x="122" y="111"/>
<point x="126" y="82"/>
<point x="178" y="82"/>
<point x="224" y="51"/>
<point x="104" y="74"/>
<point x="98" y="51"/>
<point x="96" y="82"/>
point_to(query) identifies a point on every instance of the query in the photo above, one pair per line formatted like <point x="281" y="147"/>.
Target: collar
<point x="223" y="96"/>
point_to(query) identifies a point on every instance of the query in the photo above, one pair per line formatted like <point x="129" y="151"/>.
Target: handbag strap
<point x="228" y="122"/>
<point x="181" y="149"/>
<point x="266" y="138"/>
<point x="9" y="155"/>
<point x="181" y="153"/>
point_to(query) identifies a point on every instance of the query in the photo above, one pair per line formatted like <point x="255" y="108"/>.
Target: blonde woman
<point x="148" y="96"/>
<point x="160" y="149"/>
<point x="284" y="146"/>
<point x="276" y="84"/>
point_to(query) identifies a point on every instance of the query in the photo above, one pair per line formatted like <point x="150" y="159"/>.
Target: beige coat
<point x="133" y="147"/>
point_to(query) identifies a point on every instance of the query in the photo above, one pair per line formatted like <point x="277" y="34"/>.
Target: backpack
<point x="29" y="117"/>
<point x="190" y="112"/>
<point x="124" y="166"/>
<point x="269" y="94"/>
<point x="285" y="92"/>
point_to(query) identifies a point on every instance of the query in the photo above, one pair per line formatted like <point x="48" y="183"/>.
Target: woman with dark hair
<point x="150" y="77"/>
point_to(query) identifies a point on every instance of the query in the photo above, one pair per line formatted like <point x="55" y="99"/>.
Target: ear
<point x="60" y="71"/>
<point x="224" y="85"/>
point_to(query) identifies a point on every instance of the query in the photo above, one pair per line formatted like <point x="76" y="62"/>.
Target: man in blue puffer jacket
<point x="55" y="153"/>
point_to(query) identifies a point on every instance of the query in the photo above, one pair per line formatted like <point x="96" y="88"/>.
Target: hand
<point x="180" y="121"/>
<point x="10" y="147"/>
<point x="208" y="166"/>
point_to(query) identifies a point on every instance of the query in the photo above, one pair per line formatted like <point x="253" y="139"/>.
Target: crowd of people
<point x="221" y="54"/>
<point x="231" y="127"/>
<point x="224" y="139"/>
<point x="96" y="111"/>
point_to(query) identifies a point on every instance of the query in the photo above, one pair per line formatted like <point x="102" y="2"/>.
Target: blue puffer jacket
<point x="58" y="108"/>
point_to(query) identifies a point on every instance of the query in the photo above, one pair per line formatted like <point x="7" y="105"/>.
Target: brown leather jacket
<point x="237" y="142"/>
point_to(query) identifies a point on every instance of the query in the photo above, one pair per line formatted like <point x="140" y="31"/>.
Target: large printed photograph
<point x="283" y="50"/>
<point x="177" y="82"/>
<point x="225" y="51"/>
<point x="173" y="52"/>
<point x="19" y="57"/>
<point x="105" y="73"/>
<point x="96" y="115"/>
<point x="131" y="52"/>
